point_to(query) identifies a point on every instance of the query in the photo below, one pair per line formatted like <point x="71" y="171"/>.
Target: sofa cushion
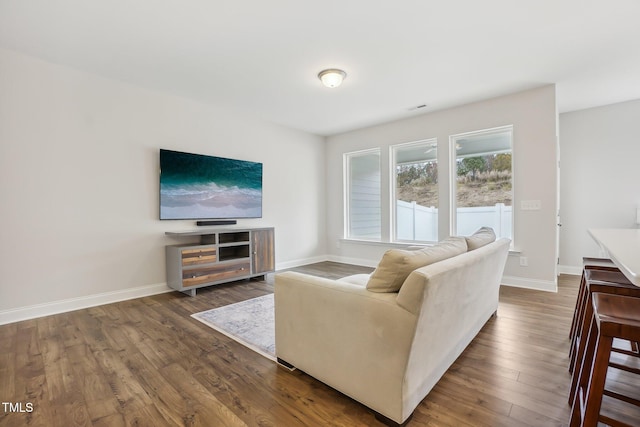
<point x="356" y="279"/>
<point x="483" y="236"/>
<point x="397" y="264"/>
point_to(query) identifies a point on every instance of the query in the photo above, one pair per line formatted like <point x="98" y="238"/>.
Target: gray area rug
<point x="250" y="322"/>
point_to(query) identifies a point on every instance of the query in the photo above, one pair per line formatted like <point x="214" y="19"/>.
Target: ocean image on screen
<point x="194" y="186"/>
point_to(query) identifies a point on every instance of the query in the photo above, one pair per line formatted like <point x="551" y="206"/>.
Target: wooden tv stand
<point x="222" y="255"/>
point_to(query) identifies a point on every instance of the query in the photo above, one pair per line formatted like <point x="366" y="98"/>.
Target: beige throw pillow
<point x="396" y="264"/>
<point x="480" y="238"/>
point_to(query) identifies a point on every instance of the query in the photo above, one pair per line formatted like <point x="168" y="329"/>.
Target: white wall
<point x="533" y="116"/>
<point x="79" y="184"/>
<point x="599" y="152"/>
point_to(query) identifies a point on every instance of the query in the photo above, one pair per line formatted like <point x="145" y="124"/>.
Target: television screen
<point x="195" y="186"/>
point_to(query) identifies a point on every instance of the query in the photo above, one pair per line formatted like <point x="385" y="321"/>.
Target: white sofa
<point x="387" y="350"/>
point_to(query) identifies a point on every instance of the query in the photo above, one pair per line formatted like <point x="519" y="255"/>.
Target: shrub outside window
<point x="482" y="181"/>
<point x="415" y="191"/>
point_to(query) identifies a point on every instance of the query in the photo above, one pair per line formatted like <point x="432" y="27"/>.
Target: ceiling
<point x="262" y="57"/>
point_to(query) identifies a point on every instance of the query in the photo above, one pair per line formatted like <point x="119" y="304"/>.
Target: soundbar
<point x="217" y="222"/>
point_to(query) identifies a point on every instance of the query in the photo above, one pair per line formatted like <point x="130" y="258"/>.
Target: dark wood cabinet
<point x="263" y="245"/>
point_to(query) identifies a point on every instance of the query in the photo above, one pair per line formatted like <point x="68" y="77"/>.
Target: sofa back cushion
<point x="483" y="236"/>
<point x="396" y="264"/>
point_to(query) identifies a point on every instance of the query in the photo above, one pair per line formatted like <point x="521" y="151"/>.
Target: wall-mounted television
<point x="197" y="186"/>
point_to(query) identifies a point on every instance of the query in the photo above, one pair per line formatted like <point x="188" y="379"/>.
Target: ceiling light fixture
<point x="332" y="77"/>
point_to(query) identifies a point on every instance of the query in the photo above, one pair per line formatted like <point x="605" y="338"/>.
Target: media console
<point x="220" y="256"/>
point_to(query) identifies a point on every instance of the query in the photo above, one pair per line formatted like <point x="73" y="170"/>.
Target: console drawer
<point x="214" y="273"/>
<point x="198" y="256"/>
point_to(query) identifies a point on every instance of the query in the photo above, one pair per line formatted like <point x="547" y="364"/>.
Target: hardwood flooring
<point x="146" y="362"/>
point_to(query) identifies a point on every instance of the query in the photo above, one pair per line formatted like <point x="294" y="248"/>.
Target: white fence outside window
<point x="420" y="223"/>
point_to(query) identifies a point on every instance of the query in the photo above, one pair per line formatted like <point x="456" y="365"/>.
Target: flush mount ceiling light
<point x="332" y="77"/>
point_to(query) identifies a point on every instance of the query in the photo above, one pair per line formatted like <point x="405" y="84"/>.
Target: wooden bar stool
<point x="614" y="316"/>
<point x="596" y="281"/>
<point x="588" y="263"/>
<point x="607" y="281"/>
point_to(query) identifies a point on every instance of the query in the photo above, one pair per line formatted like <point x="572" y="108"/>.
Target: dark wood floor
<point x="147" y="362"/>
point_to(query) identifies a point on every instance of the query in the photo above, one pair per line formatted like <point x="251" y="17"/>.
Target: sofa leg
<point x="389" y="422"/>
<point x="286" y="364"/>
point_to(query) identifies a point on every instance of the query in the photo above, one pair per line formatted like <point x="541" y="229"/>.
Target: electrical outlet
<point x="524" y="262"/>
<point x="530" y="205"/>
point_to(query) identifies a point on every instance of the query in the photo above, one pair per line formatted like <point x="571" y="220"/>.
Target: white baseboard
<point x="570" y="269"/>
<point x="517" y="282"/>
<point x="535" y="284"/>
<point x="71" y="304"/>
<point x="63" y="306"/>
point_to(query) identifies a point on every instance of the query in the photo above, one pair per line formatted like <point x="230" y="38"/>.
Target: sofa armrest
<point x="347" y="337"/>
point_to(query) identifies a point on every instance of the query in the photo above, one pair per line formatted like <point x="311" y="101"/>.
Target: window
<point x="482" y="181"/>
<point x="362" y="185"/>
<point x="415" y="191"/>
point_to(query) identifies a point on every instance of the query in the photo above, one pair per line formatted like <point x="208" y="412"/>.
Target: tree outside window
<point x="483" y="182"/>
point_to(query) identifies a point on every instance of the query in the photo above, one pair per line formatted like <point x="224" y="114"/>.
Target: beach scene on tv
<point x="194" y="186"/>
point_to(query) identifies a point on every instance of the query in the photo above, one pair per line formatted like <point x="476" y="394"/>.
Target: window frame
<point x="393" y="188"/>
<point x="453" y="172"/>
<point x="347" y="169"/>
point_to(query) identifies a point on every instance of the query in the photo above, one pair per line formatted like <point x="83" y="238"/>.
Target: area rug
<point x="250" y="322"/>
